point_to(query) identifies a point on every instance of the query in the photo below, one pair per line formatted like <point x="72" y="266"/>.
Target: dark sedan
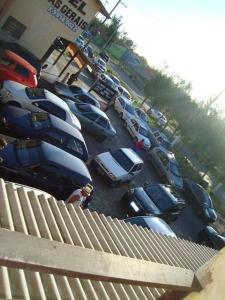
<point x="43" y="166"/>
<point x="155" y="224"/>
<point x="20" y="123"/>
<point x="200" y="201"/>
<point x="155" y="199"/>
<point x="75" y="93"/>
<point x="211" y="238"/>
<point x="93" y="120"/>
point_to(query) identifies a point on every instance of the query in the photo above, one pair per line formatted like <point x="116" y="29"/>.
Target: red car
<point x="14" y="67"/>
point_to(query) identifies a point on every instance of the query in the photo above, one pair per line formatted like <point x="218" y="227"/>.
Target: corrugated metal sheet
<point x="34" y="213"/>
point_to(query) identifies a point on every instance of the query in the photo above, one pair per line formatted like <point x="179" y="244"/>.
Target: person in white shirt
<point x="80" y="195"/>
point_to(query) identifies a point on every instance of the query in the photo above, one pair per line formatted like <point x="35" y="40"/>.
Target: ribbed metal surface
<point x="34" y="213"/>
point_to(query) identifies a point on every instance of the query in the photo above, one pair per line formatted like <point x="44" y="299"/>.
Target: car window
<point x="174" y="169"/>
<point x="91" y="116"/>
<point x="102" y="122"/>
<point x="122" y="159"/>
<point x="159" y="197"/>
<point x="74" y="145"/>
<point x="35" y="93"/>
<point x="54" y="137"/>
<point x="83" y="107"/>
<point x="40" y="120"/>
<point x="52" y="109"/>
<point x="22" y="71"/>
<point x="135" y="168"/>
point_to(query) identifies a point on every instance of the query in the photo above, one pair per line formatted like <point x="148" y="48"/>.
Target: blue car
<point x="93" y="120"/>
<point x="43" y="166"/>
<point x="21" y="123"/>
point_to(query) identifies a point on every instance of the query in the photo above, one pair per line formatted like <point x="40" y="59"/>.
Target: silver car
<point x="166" y="166"/>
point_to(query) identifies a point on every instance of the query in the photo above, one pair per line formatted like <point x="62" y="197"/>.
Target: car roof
<point x="97" y="110"/>
<point x="154" y="223"/>
<point x="132" y="155"/>
<point x="13" y="56"/>
<point x="64" y="159"/>
<point x="56" y="100"/>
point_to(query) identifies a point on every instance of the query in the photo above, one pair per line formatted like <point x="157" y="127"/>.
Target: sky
<point x="184" y="36"/>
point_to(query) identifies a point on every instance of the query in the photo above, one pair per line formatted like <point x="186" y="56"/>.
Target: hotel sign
<point x="73" y="18"/>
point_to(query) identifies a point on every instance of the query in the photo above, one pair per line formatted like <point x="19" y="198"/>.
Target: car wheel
<point x="14" y="103"/>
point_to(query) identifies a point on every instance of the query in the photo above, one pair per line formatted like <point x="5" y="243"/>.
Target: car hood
<point x="9" y="157"/>
<point x="16" y="90"/>
<point x="111" y="164"/>
<point x="175" y="181"/>
<point x="143" y="200"/>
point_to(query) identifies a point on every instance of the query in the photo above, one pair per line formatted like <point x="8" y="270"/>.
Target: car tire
<point x="14" y="103"/>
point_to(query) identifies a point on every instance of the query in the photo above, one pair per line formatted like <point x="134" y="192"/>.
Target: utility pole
<point x="118" y="2"/>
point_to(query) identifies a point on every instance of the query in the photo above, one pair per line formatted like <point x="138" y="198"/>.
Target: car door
<point x="133" y="126"/>
<point x="102" y="125"/>
<point x="89" y="123"/>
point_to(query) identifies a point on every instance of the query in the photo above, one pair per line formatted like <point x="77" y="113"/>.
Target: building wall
<point x="42" y="26"/>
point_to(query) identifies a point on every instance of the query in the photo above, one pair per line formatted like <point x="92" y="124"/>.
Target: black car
<point x="155" y="199"/>
<point x="211" y="238"/>
<point x="154" y="223"/>
<point x="200" y="201"/>
<point x="24" y="53"/>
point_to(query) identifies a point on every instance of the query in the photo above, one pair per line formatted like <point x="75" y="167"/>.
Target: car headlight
<point x="134" y="206"/>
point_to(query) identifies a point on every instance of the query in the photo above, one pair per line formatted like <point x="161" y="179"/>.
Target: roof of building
<point x="33" y="214"/>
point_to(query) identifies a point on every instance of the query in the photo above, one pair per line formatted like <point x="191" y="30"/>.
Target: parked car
<point x="162" y="140"/>
<point x="79" y="42"/>
<point x="153" y="223"/>
<point x="104" y="56"/>
<point x="124" y="108"/>
<point x="108" y="80"/>
<point x="93" y="120"/>
<point x="75" y="93"/>
<point x="118" y="166"/>
<point x="200" y="201"/>
<point x="24" y="53"/>
<point x="88" y="51"/>
<point x="99" y="67"/>
<point x="37" y="100"/>
<point x="155" y="199"/>
<point x="116" y="80"/>
<point x="138" y="131"/>
<point x="124" y="92"/>
<point x="211" y="238"/>
<point x="142" y="115"/>
<point x="158" y="116"/>
<point x="14" y="67"/>
<point x="41" y="165"/>
<point x="166" y="166"/>
<point x="21" y="123"/>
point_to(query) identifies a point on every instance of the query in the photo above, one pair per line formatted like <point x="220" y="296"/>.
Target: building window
<point x="13" y="27"/>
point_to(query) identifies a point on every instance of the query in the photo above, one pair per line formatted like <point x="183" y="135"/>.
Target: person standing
<point x="139" y="145"/>
<point x="78" y="196"/>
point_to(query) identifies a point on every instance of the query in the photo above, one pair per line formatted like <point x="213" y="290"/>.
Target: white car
<point x="118" y="166"/>
<point x="124" y="92"/>
<point x="37" y="100"/>
<point x="124" y="108"/>
<point x="158" y="116"/>
<point x="162" y="139"/>
<point x="138" y="131"/>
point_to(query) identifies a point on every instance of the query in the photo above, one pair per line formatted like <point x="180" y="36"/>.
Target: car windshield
<point x="40" y="120"/>
<point x="35" y="93"/>
<point x="143" y="131"/>
<point x="174" y="169"/>
<point x="27" y="152"/>
<point x="159" y="197"/>
<point x="75" y="89"/>
<point x="129" y="108"/>
<point x="122" y="159"/>
<point x="83" y="107"/>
